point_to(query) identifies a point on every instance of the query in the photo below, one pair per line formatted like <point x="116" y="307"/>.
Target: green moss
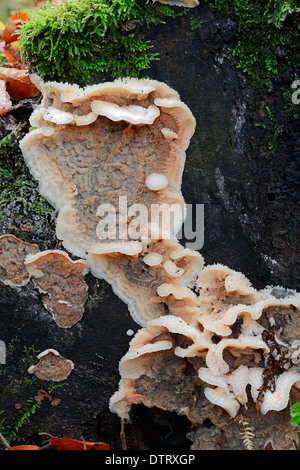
<point x="3" y="61"/>
<point x="20" y="188"/>
<point x="14" y="432"/>
<point x="22" y="208"/>
<point x="263" y="26"/>
<point x="76" y="39"/>
<point x="274" y="131"/>
<point x="17" y="386"/>
<point x="98" y="290"/>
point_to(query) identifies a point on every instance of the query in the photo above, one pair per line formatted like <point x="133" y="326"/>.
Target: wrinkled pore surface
<point x="12" y="256"/>
<point x="62" y="279"/>
<point x="128" y="139"/>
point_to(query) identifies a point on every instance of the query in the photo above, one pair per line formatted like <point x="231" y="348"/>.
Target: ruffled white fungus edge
<point x="156" y="181"/>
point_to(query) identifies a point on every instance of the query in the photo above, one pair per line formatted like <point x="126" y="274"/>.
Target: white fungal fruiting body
<point x="153" y="259"/>
<point x="57" y="116"/>
<point x="230" y="392"/>
<point x="131" y="114"/>
<point x="156" y="181"/>
<point x="168" y="133"/>
<point x="279" y="399"/>
<point x="172" y="269"/>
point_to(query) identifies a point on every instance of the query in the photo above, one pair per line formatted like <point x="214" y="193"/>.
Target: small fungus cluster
<point x="62" y="280"/>
<point x="51" y="366"/>
<point x="52" y="272"/>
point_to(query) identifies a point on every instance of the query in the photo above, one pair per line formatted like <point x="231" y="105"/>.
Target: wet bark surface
<point x="250" y="196"/>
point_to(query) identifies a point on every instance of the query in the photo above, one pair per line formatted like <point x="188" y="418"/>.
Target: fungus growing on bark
<point x="84" y="170"/>
<point x="12" y="257"/>
<point x="130" y="154"/>
<point x="95" y="176"/>
<point x="62" y="279"/>
<point x="224" y="372"/>
<point x="139" y="280"/>
<point x="51" y="366"/>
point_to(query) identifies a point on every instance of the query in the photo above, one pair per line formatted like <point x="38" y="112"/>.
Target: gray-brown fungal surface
<point x="222" y="344"/>
<point x="209" y="339"/>
<point x="251" y="370"/>
<point x="12" y="256"/>
<point x="150" y="281"/>
<point x="62" y="279"/>
<point x="93" y="152"/>
<point x="51" y="366"/>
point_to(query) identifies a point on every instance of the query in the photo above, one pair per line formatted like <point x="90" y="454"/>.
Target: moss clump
<point x="268" y="35"/>
<point x="23" y="211"/>
<point x="76" y="39"/>
<point x="16" y="184"/>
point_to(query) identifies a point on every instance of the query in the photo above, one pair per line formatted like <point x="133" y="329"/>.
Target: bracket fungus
<point x="62" y="279"/>
<point x="51" y="271"/>
<point x="227" y="365"/>
<point x="99" y="150"/>
<point x="12" y="257"/>
<point x="101" y="164"/>
<point x="87" y="171"/>
<point x="51" y="366"/>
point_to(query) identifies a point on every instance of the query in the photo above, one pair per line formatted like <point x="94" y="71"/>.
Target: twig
<point x="123" y="435"/>
<point x="84" y="443"/>
<point x="4" y="442"/>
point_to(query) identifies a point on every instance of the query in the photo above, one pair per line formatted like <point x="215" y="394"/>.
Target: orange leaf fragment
<point x="268" y="446"/>
<point x="25" y="447"/>
<point x="66" y="443"/>
<point x="19" y="83"/>
<point x="12" y="54"/>
<point x="10" y="32"/>
<point x="5" y="102"/>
